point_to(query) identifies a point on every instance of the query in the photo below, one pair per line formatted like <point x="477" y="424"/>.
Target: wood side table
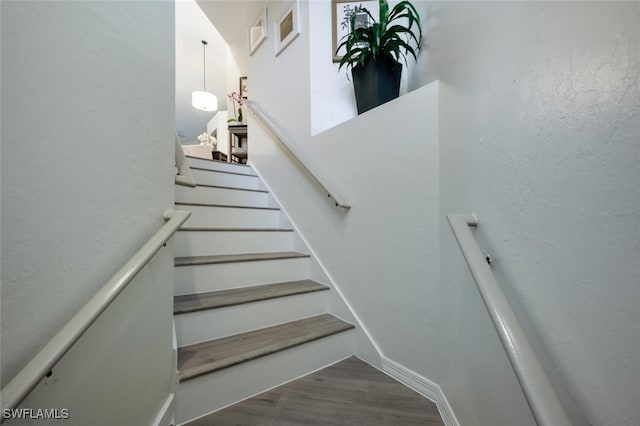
<point x="220" y="156"/>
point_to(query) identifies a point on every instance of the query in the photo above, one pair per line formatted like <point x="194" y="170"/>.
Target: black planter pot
<point x="376" y="82"/>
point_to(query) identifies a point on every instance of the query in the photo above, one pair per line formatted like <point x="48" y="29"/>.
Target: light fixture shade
<point x="204" y="101"/>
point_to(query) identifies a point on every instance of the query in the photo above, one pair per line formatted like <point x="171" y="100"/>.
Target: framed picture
<point x="287" y="26"/>
<point x="243" y="87"/>
<point x="341" y="13"/>
<point x="258" y="31"/>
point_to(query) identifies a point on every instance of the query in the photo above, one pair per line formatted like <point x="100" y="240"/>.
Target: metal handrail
<point x="262" y="116"/>
<point x="538" y="391"/>
<point x="29" y="377"/>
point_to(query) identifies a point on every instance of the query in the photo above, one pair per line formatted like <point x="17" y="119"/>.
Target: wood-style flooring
<point x="349" y="393"/>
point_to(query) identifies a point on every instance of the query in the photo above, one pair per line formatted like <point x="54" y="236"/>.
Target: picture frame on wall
<point x="258" y="31"/>
<point x="287" y="26"/>
<point x="243" y="87"/>
<point x="341" y="12"/>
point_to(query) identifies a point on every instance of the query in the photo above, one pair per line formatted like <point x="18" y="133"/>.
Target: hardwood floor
<point x="349" y="393"/>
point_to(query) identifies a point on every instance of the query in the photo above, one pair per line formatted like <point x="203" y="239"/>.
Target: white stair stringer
<point x="206" y="394"/>
<point x="366" y="347"/>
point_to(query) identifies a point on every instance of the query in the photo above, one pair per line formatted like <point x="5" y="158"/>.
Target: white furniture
<point x="199" y="151"/>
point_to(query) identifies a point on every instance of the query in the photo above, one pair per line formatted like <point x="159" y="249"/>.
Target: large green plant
<point x="385" y="37"/>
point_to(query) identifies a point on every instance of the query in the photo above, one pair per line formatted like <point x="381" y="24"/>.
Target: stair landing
<point x="348" y="393"/>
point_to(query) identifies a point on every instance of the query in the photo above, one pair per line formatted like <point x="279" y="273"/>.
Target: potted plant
<point x="237" y="111"/>
<point x="374" y="50"/>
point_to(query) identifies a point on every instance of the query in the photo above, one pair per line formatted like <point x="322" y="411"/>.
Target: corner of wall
<point x="423" y="386"/>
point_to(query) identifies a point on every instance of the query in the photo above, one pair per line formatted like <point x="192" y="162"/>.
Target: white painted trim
<point x="313" y="254"/>
<point x="165" y="416"/>
<point x="423" y="386"/>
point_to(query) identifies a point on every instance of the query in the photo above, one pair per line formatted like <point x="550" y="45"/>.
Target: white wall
<point x="219" y="123"/>
<point x="332" y="98"/>
<point x="233" y="82"/>
<point x="540" y="123"/>
<point x="280" y="85"/>
<point x="87" y="171"/>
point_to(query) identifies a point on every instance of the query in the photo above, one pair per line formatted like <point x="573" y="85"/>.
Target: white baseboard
<point x="166" y="413"/>
<point x="423" y="386"/>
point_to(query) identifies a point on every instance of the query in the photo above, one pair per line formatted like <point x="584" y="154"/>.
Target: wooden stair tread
<point x="215" y="229"/>
<point x="186" y="203"/>
<point x="231" y="187"/>
<point x="217" y="161"/>
<point x="207" y="357"/>
<point x="231" y="258"/>
<point x="221" y="171"/>
<point x="237" y="296"/>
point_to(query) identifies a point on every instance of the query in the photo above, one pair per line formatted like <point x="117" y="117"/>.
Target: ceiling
<point x="232" y="18"/>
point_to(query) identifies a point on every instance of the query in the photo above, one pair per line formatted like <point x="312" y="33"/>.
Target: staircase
<point x="247" y="315"/>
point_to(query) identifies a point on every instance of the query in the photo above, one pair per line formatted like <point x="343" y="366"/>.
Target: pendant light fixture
<point x="201" y="99"/>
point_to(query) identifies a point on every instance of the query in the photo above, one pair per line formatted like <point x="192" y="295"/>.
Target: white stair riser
<point x="231" y="197"/>
<point x="203" y="395"/>
<point x="204" y="177"/>
<point x="223" y="276"/>
<point x="219" y="165"/>
<point x="196" y="327"/>
<point x="228" y="217"/>
<point x="202" y="243"/>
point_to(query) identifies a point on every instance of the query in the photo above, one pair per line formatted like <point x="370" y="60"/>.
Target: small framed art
<point x="287" y="26"/>
<point x="341" y="13"/>
<point x="258" y="31"/>
<point x="243" y="87"/>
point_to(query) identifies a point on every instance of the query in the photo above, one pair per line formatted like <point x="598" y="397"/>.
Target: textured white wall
<point x="540" y="124"/>
<point x="87" y="171"/>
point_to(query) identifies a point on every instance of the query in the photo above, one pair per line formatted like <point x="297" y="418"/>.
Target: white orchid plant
<point x="208" y="140"/>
